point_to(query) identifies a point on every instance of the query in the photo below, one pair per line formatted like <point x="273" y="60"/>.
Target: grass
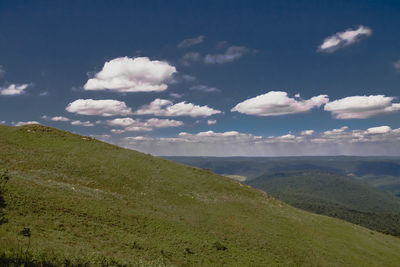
<point x="88" y="202"/>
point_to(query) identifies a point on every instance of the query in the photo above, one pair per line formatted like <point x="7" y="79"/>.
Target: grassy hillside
<point x="73" y="199"/>
<point x="335" y="195"/>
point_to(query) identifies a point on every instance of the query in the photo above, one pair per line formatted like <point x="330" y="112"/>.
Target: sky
<point x="207" y="78"/>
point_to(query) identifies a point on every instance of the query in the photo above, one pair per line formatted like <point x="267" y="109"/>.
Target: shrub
<point x="219" y="246"/>
<point x="4" y="177"/>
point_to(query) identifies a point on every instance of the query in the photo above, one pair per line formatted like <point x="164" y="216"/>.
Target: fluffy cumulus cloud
<point x="126" y="74"/>
<point x="276" y="103"/>
<point x="307" y="132"/>
<point x="106" y="107"/>
<point x="55" y="118"/>
<point x="379" y="130"/>
<point x="13" y="89"/>
<point x="381" y="140"/>
<point x="211" y="122"/>
<point x="138" y="125"/>
<point x="231" y="54"/>
<point x="163" y="107"/>
<point x="362" y="107"/>
<point x="191" y="42"/>
<point x="204" y="88"/>
<point x="343" y="39"/>
<point x="22" y="123"/>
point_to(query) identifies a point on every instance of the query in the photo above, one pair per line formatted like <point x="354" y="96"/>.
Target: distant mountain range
<point x="381" y="172"/>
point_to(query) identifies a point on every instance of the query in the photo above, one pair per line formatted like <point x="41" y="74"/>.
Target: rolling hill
<point x="74" y="200"/>
<point x="335" y="195"/>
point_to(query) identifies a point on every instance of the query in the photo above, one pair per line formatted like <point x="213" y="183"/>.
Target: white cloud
<point x="276" y="103"/>
<point x="336" y="131"/>
<point x="204" y="88"/>
<point x="105" y="107"/>
<point x="163" y="107"/>
<point x="190" y="57"/>
<point x="379" y="130"/>
<point x="82" y="123"/>
<point x="2" y="122"/>
<point x="191" y="42"/>
<point x="126" y="74"/>
<point x="44" y="94"/>
<point x="117" y="131"/>
<point x="13" y="89"/>
<point x="396" y="65"/>
<point x="231" y="54"/>
<point x="56" y="118"/>
<point x="380" y="140"/>
<point x="210" y="122"/>
<point x="342" y="39"/>
<point x="131" y="125"/>
<point x="188" y="78"/>
<point x="22" y="123"/>
<point x="176" y="95"/>
<point x="362" y="107"/>
<point x="307" y="132"/>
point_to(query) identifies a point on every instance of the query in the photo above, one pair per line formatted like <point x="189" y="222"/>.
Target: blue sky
<point x="201" y="59"/>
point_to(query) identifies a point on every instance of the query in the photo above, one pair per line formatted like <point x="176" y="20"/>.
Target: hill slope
<point x="335" y="195"/>
<point x="85" y="201"/>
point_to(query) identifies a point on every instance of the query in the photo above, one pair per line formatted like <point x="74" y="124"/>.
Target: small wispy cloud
<point x="55" y="118"/>
<point x="44" y="94"/>
<point x="82" y="123"/>
<point x="190" y="58"/>
<point x="176" y="95"/>
<point x="191" y="42"/>
<point x="343" y="39"/>
<point x="2" y="71"/>
<point x="204" y="88"/>
<point x="396" y="65"/>
<point x="232" y="53"/>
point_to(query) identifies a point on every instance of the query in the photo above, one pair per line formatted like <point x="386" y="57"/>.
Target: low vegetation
<point x="73" y="200"/>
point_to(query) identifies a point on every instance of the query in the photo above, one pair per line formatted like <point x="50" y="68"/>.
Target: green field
<point x="88" y="202"/>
